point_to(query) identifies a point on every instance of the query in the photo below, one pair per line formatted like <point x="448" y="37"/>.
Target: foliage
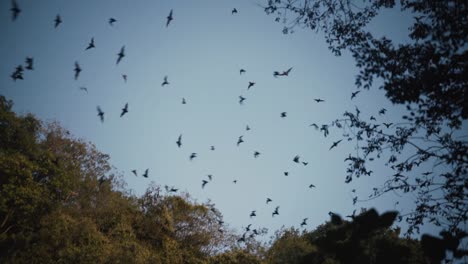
<point x="289" y="246"/>
<point x="368" y="238"/>
<point x="428" y="74"/>
<point x="60" y="202"/>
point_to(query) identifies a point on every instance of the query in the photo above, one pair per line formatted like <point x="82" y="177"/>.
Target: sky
<point x="201" y="52"/>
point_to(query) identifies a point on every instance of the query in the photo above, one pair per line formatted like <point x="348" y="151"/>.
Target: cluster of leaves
<point x="428" y="74"/>
<point x="368" y="238"/>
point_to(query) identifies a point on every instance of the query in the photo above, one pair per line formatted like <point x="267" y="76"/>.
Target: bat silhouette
<point x="165" y="82"/>
<point x="77" y="70"/>
<point x="120" y="55"/>
<point x="252" y="214"/>
<point x="275" y="212"/>
<point x="192" y="156"/>
<point x="354" y="94"/>
<point x="241" y="99"/>
<point x="296" y="158"/>
<point x="124" y="110"/>
<point x="91" y="44"/>
<point x="387" y="124"/>
<point x="100" y="114"/>
<point x="169" y="18"/>
<point x="57" y="21"/>
<point x="29" y="63"/>
<point x="240" y="140"/>
<point x="204" y="182"/>
<point x="335" y="144"/>
<point x="179" y="141"/>
<point x="284" y="73"/>
<point x="112" y="21"/>
<point x="15" y="10"/>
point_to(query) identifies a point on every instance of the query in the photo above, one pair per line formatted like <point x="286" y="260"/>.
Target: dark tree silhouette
<point x="427" y="74"/>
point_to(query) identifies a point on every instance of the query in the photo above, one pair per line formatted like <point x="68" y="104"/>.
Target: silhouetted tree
<point x="428" y="74"/>
<point x="289" y="246"/>
<point x="368" y="238"/>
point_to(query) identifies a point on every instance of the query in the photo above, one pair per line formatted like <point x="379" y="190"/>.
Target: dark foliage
<point x="428" y="75"/>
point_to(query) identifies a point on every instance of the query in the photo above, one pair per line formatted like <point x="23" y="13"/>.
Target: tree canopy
<point x="61" y="202"/>
<point x="427" y="74"/>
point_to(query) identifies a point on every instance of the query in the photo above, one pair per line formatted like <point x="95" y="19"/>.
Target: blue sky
<point x="201" y="52"/>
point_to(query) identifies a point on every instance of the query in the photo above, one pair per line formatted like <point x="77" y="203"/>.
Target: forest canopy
<point x="61" y="202"/>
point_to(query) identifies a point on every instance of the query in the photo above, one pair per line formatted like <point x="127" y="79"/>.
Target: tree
<point x="61" y="202"/>
<point x="368" y="238"/>
<point x="289" y="246"/>
<point x="428" y="74"/>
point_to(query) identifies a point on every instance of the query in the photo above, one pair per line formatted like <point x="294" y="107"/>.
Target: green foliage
<point x="289" y="246"/>
<point x="366" y="239"/>
<point x="60" y="202"/>
<point x="236" y="256"/>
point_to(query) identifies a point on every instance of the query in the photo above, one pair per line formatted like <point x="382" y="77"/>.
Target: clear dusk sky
<point x="201" y="52"/>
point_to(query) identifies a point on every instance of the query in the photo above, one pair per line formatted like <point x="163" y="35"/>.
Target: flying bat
<point x="165" y="82"/>
<point x="112" y="21"/>
<point x="15" y="10"/>
<point x="354" y="94"/>
<point x="120" y="55"/>
<point x="124" y="110"/>
<point x="179" y="141"/>
<point x="169" y="18"/>
<point x="100" y="114"/>
<point x="29" y="63"/>
<point x="241" y="99"/>
<point x="57" y="21"/>
<point x="77" y="70"/>
<point x="91" y="44"/>
<point x="335" y="144"/>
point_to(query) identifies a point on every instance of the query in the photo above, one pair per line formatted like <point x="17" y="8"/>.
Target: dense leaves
<point x="428" y="74"/>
